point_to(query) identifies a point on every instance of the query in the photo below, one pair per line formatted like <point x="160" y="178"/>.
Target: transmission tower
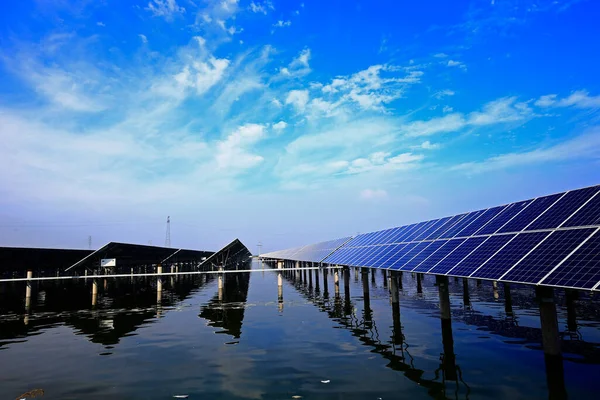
<point x="168" y="235"/>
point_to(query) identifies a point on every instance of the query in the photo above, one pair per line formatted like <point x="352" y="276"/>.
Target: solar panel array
<point x="313" y="252"/>
<point x="551" y="240"/>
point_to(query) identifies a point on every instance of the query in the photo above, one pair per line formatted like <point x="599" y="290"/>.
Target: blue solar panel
<point x="532" y="211"/>
<point x="463" y="223"/>
<point x="400" y="263"/>
<point x="562" y="209"/>
<point x="483" y="219"/>
<point x="588" y="215"/>
<point x="457" y="255"/>
<point x="506" y="215"/>
<point x="422" y="226"/>
<point x="391" y="257"/>
<point x="373" y="255"/>
<point x="546" y="255"/>
<point x="480" y="255"/>
<point x="437" y="256"/>
<point x="430" y="229"/>
<point x="450" y="222"/>
<point x="419" y="258"/>
<point x="496" y="266"/>
<point x="401" y="254"/>
<point x="397" y="233"/>
<point x="580" y="270"/>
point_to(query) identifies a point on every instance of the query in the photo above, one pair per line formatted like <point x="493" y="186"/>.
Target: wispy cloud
<point x="258" y="7"/>
<point x="282" y="24"/>
<point x="143" y="38"/>
<point x="373" y="194"/>
<point x="168" y="9"/>
<point x="444" y="93"/>
<point x="456" y="64"/>
<point x="577" y="99"/>
<point x="585" y="146"/>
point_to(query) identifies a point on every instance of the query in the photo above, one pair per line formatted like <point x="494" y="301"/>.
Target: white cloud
<point x="200" y="76"/>
<point x="443" y="93"/>
<point x="454" y="63"/>
<point x="447" y="109"/>
<point x="100" y="23"/>
<point x="440" y="55"/>
<point x="373" y="194"/>
<point x="577" y="99"/>
<point x="297" y="98"/>
<point x="143" y="38"/>
<point x="503" y="110"/>
<point x="299" y="66"/>
<point x="281" y="24"/>
<point x="233" y="153"/>
<point x="586" y="146"/>
<point x="165" y="8"/>
<point x="280" y="126"/>
<point x="257" y="7"/>
<point x="427" y="145"/>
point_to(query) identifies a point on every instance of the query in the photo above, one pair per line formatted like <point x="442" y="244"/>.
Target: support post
<point x="310" y="279"/>
<point x="220" y="283"/>
<point x="419" y="285"/>
<point x="508" y="309"/>
<point x="28" y="290"/>
<point x="366" y="295"/>
<point x="159" y="284"/>
<point x="448" y="357"/>
<point x="495" y="288"/>
<point x="571" y="295"/>
<point x="336" y="282"/>
<point x="466" y="296"/>
<point x="94" y="292"/>
<point x="325" y="284"/>
<point x="397" y="337"/>
<point x="317" y="288"/>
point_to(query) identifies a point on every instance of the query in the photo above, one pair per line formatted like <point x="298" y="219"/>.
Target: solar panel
<point x="480" y="255"/>
<point x="530" y="213"/>
<point x="589" y="214"/>
<point x="419" y="258"/>
<point x="439" y="255"/>
<point x="506" y="215"/>
<point x="581" y="269"/>
<point x="483" y="219"/>
<point x="546" y="255"/>
<point x="463" y="223"/>
<point x="546" y="240"/>
<point x="514" y="250"/>
<point x="457" y="255"/>
<point x="563" y="209"/>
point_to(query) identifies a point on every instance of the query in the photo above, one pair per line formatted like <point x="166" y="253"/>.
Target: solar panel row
<point x="551" y="240"/>
<point x="311" y="253"/>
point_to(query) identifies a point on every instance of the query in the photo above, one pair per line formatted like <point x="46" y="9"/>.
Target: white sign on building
<point x="108" y="262"/>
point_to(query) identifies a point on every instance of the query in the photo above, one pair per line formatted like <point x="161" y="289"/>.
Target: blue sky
<point x="286" y="122"/>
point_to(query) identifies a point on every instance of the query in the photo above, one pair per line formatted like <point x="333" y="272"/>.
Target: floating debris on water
<point x="296" y="397"/>
<point x="327" y="381"/>
<point x="181" y="396"/>
<point x="31" y="394"/>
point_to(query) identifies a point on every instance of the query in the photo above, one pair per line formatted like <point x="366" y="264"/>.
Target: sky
<point x="286" y="122"/>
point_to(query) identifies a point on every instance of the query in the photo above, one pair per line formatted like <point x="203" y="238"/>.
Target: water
<point x="246" y="344"/>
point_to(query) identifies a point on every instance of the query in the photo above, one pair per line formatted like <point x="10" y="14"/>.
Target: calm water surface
<point x="246" y="344"/>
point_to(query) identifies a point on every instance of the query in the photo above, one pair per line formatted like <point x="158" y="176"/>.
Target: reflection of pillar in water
<point x="419" y="285"/>
<point x="280" y="291"/>
<point x="94" y="292"/>
<point x="347" y="304"/>
<point x="366" y="296"/>
<point x="325" y="283"/>
<point x="507" y="300"/>
<point x="551" y="342"/>
<point x="397" y="333"/>
<point x="571" y="295"/>
<point x="466" y="296"/>
<point x="449" y="359"/>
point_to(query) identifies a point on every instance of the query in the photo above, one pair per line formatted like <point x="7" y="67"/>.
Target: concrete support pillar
<point x="366" y="295"/>
<point x="495" y="288"/>
<point x="397" y="337"/>
<point x="419" y="285"/>
<point x="28" y="291"/>
<point x="94" y="292"/>
<point x="220" y="282"/>
<point x="336" y="281"/>
<point x="159" y="279"/>
<point x="466" y="296"/>
<point x="356" y="272"/>
<point x="310" y="279"/>
<point x="449" y="358"/>
<point x="317" y="288"/>
<point x="571" y="295"/>
<point x="549" y="321"/>
<point x="304" y="273"/>
<point x="325" y="283"/>
<point x="280" y="291"/>
<point x="507" y="300"/>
